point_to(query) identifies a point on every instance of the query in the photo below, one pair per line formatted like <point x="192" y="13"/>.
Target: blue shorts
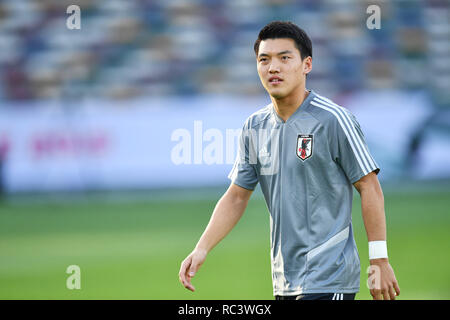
<point x="319" y="296"/>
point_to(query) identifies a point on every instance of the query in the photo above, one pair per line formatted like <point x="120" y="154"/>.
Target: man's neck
<point x="286" y="106"/>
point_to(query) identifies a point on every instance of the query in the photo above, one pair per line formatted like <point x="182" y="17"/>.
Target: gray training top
<point x="306" y="167"/>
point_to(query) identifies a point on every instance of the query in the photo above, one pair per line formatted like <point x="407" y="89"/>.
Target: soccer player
<point x="307" y="153"/>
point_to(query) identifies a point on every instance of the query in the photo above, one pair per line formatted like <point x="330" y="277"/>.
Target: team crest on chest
<point x="304" y="146"/>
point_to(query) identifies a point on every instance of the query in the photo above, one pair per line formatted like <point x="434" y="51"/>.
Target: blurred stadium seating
<point x="141" y="48"/>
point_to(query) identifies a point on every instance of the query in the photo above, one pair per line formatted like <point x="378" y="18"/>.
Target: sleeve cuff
<point x="243" y="185"/>
<point x="357" y="178"/>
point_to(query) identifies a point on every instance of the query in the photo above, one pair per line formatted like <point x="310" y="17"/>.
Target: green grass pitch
<point x="132" y="249"/>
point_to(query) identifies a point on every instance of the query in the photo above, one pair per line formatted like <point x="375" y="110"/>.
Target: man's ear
<point x="307" y="65"/>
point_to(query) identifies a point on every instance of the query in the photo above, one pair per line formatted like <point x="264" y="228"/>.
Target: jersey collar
<point x="299" y="109"/>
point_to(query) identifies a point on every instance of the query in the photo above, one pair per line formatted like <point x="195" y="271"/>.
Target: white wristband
<point x="377" y="249"/>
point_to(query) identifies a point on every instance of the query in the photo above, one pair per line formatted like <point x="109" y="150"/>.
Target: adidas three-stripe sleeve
<point x="348" y="146"/>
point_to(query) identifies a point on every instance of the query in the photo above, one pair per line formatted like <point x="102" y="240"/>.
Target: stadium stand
<point x="139" y="48"/>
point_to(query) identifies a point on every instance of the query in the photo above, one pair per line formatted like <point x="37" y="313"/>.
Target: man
<point x="306" y="152"/>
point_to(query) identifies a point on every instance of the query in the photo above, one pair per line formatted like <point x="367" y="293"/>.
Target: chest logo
<point x="304" y="146"/>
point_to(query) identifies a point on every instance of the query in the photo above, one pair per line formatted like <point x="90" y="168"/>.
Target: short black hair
<point x="286" y="29"/>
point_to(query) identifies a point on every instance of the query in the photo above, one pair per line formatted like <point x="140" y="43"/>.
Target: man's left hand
<point x="384" y="285"/>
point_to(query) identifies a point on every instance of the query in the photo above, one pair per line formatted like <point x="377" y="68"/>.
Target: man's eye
<point x="284" y="57"/>
<point x="262" y="60"/>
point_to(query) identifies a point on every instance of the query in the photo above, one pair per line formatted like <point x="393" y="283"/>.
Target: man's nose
<point x="274" y="67"/>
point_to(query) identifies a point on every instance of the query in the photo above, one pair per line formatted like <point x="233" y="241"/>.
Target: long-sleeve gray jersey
<point x="306" y="167"/>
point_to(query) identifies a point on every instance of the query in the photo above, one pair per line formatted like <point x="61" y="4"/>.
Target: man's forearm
<point x="226" y="214"/>
<point x="383" y="283"/>
<point x="228" y="211"/>
<point x="372" y="206"/>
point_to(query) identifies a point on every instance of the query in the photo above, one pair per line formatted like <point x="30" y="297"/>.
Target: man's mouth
<point x="275" y="80"/>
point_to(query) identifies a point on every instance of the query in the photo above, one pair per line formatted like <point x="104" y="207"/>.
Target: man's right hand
<point x="190" y="266"/>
